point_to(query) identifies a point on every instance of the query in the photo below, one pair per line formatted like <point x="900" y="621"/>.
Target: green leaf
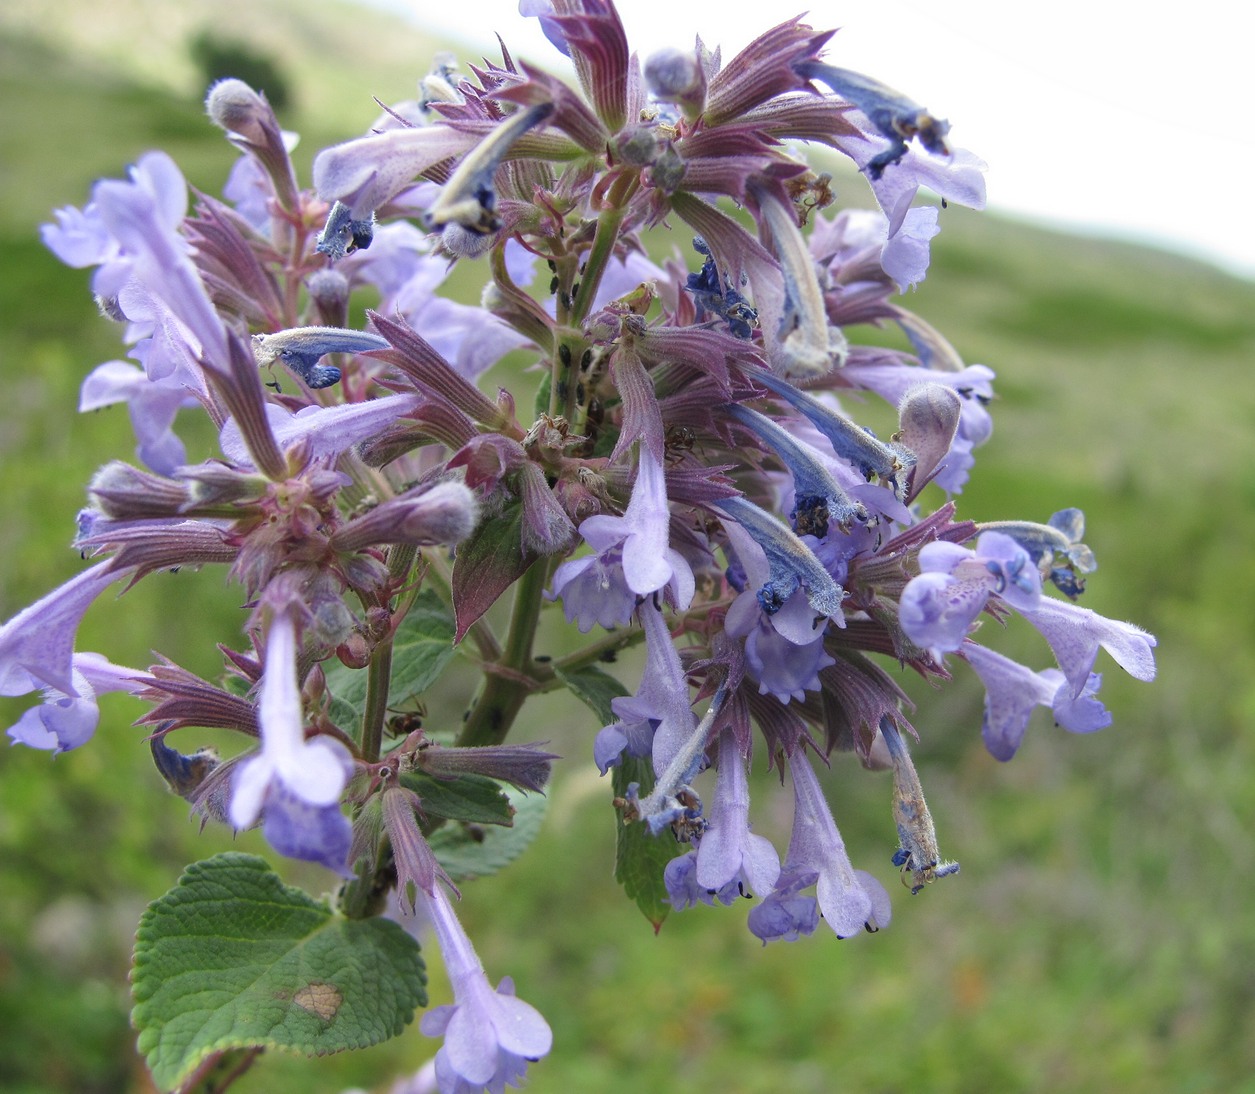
<point x="421" y="648"/>
<point x="233" y="958"/>
<point x="595" y="688"/>
<point x="475" y="799"/>
<point x="640" y="858"/>
<point x="487" y="564"/>
<point x="468" y="851"/>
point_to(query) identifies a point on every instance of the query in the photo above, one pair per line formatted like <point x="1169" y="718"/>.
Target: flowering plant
<point x="684" y="476"/>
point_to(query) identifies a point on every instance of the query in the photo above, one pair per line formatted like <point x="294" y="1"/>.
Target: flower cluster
<point x="687" y="475"/>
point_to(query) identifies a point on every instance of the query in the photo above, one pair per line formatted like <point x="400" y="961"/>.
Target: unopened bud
<point x="234" y="106"/>
<point x="443" y="514"/>
<point x="329" y="291"/>
<point x="524" y="766"/>
<point x="123" y="492"/>
<point x="675" y="76"/>
<point x="929" y="418"/>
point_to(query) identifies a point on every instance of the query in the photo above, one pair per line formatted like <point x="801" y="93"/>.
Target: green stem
<point x="378" y="677"/>
<point x="503" y="693"/>
<point x="608" y="224"/>
<point x="603" y="649"/>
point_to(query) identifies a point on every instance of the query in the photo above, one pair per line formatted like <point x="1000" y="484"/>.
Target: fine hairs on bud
<point x="234" y="106"/>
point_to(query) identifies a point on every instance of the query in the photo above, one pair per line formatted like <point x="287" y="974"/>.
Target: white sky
<point x="1133" y="120"/>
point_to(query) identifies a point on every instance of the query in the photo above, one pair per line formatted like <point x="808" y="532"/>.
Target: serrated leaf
<point x="475" y="799"/>
<point x="468" y="851"/>
<point x="594" y="688"/>
<point x="640" y="858"/>
<point x="421" y="648"/>
<point x="233" y="958"/>
<point x="487" y="564"/>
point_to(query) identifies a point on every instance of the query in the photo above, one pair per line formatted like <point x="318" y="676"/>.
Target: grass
<point x="1099" y="937"/>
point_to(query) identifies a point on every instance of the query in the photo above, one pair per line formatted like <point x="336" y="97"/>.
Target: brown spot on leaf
<point x="320" y="999"/>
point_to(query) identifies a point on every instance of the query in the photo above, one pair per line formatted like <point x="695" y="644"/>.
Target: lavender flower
<point x="37" y="644"/>
<point x="848" y="899"/>
<point x="729" y="853"/>
<point x="292" y="783"/>
<point x="68" y="719"/>
<point x="632" y="557"/>
<point x="940" y="605"/>
<point x="1012" y="691"/>
<point x="385" y="503"/>
<point x="658" y="718"/>
<point x="490" y="1036"/>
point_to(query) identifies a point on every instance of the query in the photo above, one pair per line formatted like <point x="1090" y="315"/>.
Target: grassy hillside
<point x="1099" y="937"/>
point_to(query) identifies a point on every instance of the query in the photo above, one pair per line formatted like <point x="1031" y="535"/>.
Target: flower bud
<point x="929" y="417"/>
<point x="329" y="291"/>
<point x="445" y="513"/>
<point x="252" y="127"/>
<point x="123" y="492"/>
<point x="524" y="766"/>
<point x="234" y="106"/>
<point x="674" y="76"/>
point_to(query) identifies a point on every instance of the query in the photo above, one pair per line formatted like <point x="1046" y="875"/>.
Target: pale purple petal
<point x="1011" y="693"/>
<point x="729" y="852"/>
<point x="1075" y="635"/>
<point x="817" y="846"/>
<point x="79" y="238"/>
<point x="327" y="430"/>
<point x="37" y="644"/>
<point x="936" y="610"/>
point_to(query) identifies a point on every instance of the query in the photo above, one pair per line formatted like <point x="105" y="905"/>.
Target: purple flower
<point x="939" y="606"/>
<point x="635" y="546"/>
<point x="974" y="387"/>
<point x="489" y="1036"/>
<point x="792" y="565"/>
<point x="67" y="720"/>
<point x="326" y="430"/>
<point x="729" y="853"/>
<point x="849" y="899"/>
<point x="143" y="215"/>
<point x="364" y="173"/>
<point x="295" y="783"/>
<point x="658" y="719"/>
<point x="152" y="404"/>
<point x="1012" y="691"/>
<point x="37" y="644"/>
<point x="784" y="650"/>
<point x="685" y="891"/>
<point x="786" y="914"/>
<point x="1075" y="635"/>
<point x="543" y="10"/>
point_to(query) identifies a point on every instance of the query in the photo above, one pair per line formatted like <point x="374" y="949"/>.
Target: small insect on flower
<point x="892" y="113"/>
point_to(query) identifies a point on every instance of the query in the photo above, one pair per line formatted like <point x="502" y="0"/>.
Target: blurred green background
<point x="1101" y="934"/>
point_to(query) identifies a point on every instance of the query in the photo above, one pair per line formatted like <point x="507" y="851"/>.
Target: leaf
<point x="487" y="564"/>
<point x="475" y="799"/>
<point x="468" y="851"/>
<point x="421" y="648"/>
<point x="640" y="858"/>
<point x="233" y="958"/>
<point x="594" y="688"/>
